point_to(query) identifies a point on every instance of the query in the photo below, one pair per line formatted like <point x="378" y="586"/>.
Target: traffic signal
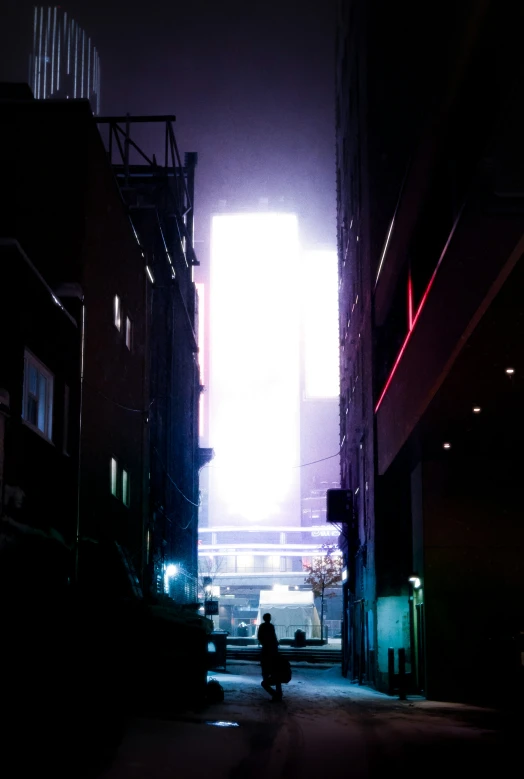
<point x="339" y="506"/>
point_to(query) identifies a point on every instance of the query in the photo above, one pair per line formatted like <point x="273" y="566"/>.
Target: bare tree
<point x="208" y="567"/>
<point x="324" y="572"/>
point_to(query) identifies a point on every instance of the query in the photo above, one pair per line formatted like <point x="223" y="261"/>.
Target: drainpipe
<point x="74" y="290"/>
<point x="4" y="413"/>
<point x="82" y="353"/>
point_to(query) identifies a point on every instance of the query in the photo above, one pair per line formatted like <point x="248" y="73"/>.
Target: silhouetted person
<point x="267" y="638"/>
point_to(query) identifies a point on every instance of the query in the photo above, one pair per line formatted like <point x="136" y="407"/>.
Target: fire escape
<point x="159" y="200"/>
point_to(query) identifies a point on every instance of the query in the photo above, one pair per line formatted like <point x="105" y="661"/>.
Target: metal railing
<point x="331" y="630"/>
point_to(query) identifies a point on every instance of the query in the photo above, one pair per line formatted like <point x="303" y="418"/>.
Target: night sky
<point x="251" y="84"/>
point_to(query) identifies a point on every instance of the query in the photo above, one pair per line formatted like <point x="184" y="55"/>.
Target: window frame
<point x="30" y="360"/>
<point x="119" y="482"/>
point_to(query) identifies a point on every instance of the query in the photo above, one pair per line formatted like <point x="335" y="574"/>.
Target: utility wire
<point x="120" y="405"/>
<point x="302" y="465"/>
<point x="141" y="411"/>
<point x="175" y="485"/>
<point x="322" y="459"/>
<point x="171" y="520"/>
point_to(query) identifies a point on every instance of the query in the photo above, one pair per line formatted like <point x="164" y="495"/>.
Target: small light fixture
<point x="476" y="409"/>
<point x="510" y="371"/>
<point x="415" y="581"/>
<point x="446" y="445"/>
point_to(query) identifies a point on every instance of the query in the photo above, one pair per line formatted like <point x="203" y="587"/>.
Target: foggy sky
<point x="251" y="84"/>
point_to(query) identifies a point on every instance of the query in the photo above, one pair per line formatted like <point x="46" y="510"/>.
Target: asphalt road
<point x="324" y="725"/>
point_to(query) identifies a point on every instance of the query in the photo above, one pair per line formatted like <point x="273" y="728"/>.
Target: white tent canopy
<point x="290" y="610"/>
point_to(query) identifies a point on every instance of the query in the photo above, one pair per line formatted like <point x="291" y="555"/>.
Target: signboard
<point x="211" y="608"/>
<point x="339" y="506"/>
<point x="324" y="531"/>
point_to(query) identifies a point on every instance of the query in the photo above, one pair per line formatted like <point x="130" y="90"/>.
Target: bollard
<point x="391" y="671"/>
<point x="402" y="674"/>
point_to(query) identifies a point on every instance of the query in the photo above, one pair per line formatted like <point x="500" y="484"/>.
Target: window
<point x="245" y="563"/>
<point x="125" y="488"/>
<point x="120" y="482"/>
<point x="117" y="312"/>
<point x="65" y="442"/>
<point x="37" y="411"/>
<point x="128" y="333"/>
<point x="114" y="474"/>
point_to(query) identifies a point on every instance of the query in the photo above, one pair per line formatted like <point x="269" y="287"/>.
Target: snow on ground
<point x="325" y="724"/>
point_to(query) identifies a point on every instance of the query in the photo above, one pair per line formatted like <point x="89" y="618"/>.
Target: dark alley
<point x="324" y="725"/>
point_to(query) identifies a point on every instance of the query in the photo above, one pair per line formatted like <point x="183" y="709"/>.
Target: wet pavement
<point x="325" y="724"/>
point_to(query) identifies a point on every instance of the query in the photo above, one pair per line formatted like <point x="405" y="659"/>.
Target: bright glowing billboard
<point x="201" y="357"/>
<point x="320" y="323"/>
<point x="254" y="369"/>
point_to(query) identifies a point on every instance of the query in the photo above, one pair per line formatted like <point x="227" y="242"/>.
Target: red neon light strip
<point x="410" y="302"/>
<point x="419" y="309"/>
<point x="406" y="340"/>
<point x="403" y="347"/>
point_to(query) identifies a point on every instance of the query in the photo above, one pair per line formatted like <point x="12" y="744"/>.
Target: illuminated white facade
<point x="272" y="359"/>
<point x="254" y="371"/>
<point x="202" y="357"/>
<point x="64" y="63"/>
<point x="319" y="278"/>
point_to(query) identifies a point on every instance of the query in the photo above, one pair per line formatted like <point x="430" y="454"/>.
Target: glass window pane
<point x="245" y="563"/>
<point x="33" y="380"/>
<point x="42" y="394"/>
<point x="49" y="422"/>
<point x="113" y="476"/>
<point x="117" y="312"/>
<point x="125" y="488"/>
<point x="38" y="395"/>
<point x="31" y="411"/>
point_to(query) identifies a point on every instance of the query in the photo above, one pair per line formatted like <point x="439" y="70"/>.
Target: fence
<point x="332" y="629"/>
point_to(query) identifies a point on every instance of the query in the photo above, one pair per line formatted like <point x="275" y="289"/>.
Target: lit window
<point x="37" y="409"/>
<point x="117" y="313"/>
<point x="245" y="562"/>
<point x="125" y="488"/>
<point x="114" y="473"/>
<point x="128" y="333"/>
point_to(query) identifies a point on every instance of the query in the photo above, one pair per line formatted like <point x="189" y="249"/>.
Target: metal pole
<point x="126" y="147"/>
<point x="4" y="411"/>
<point x="402" y="674"/>
<point x="391" y="671"/>
<point x="322" y="614"/>
<point x="82" y="345"/>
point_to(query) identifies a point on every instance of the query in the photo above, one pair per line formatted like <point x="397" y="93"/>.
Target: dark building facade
<point x="159" y="198"/>
<point x="430" y="239"/>
<point x="40" y="381"/>
<point x="65" y="211"/>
